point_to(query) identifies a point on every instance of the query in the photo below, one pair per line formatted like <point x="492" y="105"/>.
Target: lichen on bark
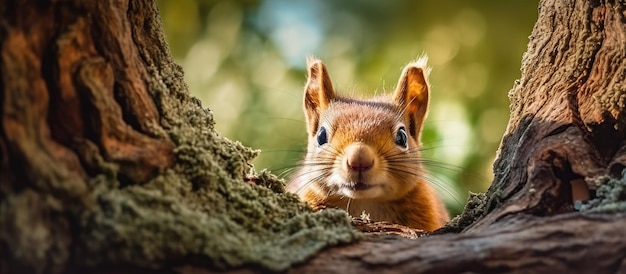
<point x="610" y="195"/>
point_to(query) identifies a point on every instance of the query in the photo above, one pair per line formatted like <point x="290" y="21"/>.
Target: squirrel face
<point x="363" y="149"/>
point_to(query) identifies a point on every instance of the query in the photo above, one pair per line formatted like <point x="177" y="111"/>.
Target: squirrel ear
<point x="318" y="93"/>
<point x="412" y="94"/>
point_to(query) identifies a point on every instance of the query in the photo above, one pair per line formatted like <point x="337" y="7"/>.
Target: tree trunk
<point x="74" y="98"/>
<point x="104" y="163"/>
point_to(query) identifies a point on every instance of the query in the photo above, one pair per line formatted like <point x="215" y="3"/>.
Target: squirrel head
<point x="365" y="148"/>
<point x="411" y="95"/>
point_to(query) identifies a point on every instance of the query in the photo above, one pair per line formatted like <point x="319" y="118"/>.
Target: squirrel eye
<point x="322" y="136"/>
<point x="402" y="138"/>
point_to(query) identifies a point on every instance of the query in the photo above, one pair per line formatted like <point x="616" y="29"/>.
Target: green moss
<point x="610" y="195"/>
<point x="239" y="224"/>
<point x="474" y="209"/>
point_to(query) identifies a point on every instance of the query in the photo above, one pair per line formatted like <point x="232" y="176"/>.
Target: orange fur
<point x="363" y="155"/>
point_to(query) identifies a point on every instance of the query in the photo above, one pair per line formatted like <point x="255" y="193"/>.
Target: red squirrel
<point x="363" y="155"/>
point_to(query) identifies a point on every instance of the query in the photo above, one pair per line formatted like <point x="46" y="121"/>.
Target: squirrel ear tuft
<point x="318" y="93"/>
<point x="412" y="94"/>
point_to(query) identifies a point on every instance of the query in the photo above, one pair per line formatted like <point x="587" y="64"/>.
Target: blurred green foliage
<point x="245" y="61"/>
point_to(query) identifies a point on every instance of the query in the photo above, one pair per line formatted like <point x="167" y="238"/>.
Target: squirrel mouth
<point x="360" y="186"/>
<point x="361" y="190"/>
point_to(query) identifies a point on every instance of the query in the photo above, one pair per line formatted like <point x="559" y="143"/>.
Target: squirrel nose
<point x="359" y="157"/>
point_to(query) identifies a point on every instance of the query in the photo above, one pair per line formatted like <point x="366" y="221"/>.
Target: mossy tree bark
<point x="79" y="98"/>
<point x="107" y="163"/>
<point x="73" y="102"/>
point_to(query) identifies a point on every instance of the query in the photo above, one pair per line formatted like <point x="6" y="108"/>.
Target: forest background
<point x="245" y="61"/>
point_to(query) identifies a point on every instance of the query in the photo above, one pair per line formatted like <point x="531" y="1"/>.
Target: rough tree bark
<point x="73" y="96"/>
<point x="81" y="96"/>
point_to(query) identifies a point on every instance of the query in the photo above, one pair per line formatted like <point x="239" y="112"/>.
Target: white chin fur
<point x="371" y="193"/>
